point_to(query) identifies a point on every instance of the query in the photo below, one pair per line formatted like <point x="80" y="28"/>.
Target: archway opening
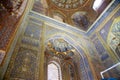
<point x="52" y="72"/>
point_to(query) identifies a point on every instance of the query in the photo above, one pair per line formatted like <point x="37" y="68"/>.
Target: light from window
<point x="53" y="72"/>
<point x="97" y="4"/>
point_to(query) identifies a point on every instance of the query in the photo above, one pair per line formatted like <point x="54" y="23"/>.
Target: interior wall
<point x="28" y="49"/>
<point x="79" y="42"/>
<point x="25" y="59"/>
<point x="105" y="56"/>
<point x="9" y="19"/>
<point x="9" y="27"/>
<point x="26" y="54"/>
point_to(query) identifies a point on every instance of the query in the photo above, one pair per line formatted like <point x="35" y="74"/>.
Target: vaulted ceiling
<point x="60" y="47"/>
<point x="78" y="13"/>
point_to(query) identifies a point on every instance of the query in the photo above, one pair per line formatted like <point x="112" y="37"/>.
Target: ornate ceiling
<point x="69" y="4"/>
<point x="60" y="48"/>
<point x="78" y="13"/>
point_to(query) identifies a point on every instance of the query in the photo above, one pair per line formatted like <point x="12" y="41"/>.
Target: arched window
<point x="97" y="4"/>
<point x="54" y="72"/>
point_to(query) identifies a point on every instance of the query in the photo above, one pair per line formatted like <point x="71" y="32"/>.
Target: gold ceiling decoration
<point x="60" y="46"/>
<point x="69" y="4"/>
<point x="77" y="13"/>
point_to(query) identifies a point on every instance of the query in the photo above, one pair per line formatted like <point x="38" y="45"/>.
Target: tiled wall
<point x="105" y="56"/>
<point x="24" y="63"/>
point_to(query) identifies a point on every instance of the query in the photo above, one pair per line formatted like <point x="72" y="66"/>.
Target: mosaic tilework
<point x="84" y="65"/>
<point x="24" y="63"/>
<point x="24" y="66"/>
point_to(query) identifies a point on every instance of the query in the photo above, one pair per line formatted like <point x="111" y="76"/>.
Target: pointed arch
<point x="54" y="71"/>
<point x="85" y="68"/>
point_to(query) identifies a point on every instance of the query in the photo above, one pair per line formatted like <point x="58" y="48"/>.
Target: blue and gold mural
<point x="106" y="44"/>
<point x="98" y="48"/>
<point x="24" y="63"/>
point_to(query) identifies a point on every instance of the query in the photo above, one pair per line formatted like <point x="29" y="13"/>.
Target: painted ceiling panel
<point x="78" y="13"/>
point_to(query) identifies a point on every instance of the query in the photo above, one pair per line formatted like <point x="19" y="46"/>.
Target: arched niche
<point x="62" y="52"/>
<point x="69" y="71"/>
<point x="82" y="69"/>
<point x="113" y="39"/>
<point x="80" y="20"/>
